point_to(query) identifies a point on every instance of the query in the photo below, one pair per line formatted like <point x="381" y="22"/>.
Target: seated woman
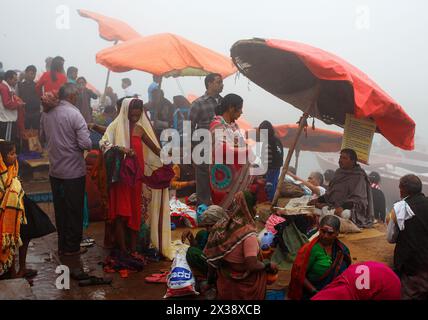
<point x="195" y="257"/>
<point x="230" y="172"/>
<point x="319" y="262"/>
<point x="349" y="190"/>
<point x="12" y="213"/>
<point x="314" y="182"/>
<point x="363" y="281"/>
<point x="233" y="251"/>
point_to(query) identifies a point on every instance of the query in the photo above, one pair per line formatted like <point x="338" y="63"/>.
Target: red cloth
<point x="384" y="284"/>
<point x="9" y="99"/>
<point x="126" y="201"/>
<point x="46" y="84"/>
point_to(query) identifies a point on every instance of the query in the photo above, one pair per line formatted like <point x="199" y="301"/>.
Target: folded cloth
<point x="403" y="212"/>
<point x="272" y="221"/>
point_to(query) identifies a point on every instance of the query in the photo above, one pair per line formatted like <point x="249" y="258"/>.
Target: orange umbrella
<point x="111" y="29"/>
<point x="319" y="140"/>
<point x="165" y="55"/>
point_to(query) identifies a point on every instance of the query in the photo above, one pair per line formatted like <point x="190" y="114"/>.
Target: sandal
<point x="157" y="278"/>
<point x="88" y="242"/>
<point x="94" y="281"/>
<point x="79" y="276"/>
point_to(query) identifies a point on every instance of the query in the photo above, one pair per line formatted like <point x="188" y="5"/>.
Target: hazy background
<point x="385" y="39"/>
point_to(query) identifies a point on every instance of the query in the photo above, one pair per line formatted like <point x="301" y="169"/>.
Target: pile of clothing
<point x="182" y="215"/>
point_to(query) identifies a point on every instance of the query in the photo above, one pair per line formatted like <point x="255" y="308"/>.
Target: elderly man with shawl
<point x="349" y="190"/>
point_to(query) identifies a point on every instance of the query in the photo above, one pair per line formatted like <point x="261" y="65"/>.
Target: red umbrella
<point x="111" y="29"/>
<point x="318" y="140"/>
<point x="321" y="85"/>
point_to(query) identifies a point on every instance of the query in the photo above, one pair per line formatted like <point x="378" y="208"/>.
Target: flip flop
<point x="88" y="242"/>
<point x="157" y="278"/>
<point x="94" y="281"/>
<point x="80" y="276"/>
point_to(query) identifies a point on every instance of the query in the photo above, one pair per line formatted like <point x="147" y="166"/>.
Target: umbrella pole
<point x="296" y="163"/>
<point x="302" y="124"/>
<point x="107" y="81"/>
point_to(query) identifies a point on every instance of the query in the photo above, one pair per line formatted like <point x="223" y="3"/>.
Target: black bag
<point x="38" y="223"/>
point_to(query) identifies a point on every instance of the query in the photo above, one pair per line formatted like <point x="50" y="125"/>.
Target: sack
<point x="181" y="281"/>
<point x="38" y="223"/>
<point x="290" y="190"/>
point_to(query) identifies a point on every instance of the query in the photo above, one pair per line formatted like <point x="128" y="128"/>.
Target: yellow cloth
<point x="12" y="214"/>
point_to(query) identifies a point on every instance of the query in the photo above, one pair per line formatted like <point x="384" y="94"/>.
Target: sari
<point x="341" y="259"/>
<point x="12" y="214"/>
<point x="226" y="235"/>
<point x="226" y="179"/>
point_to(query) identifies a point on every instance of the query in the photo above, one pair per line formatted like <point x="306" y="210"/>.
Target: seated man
<point x="319" y="262"/>
<point x="349" y="190"/>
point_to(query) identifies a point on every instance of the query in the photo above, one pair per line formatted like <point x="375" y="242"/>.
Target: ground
<point x="42" y="256"/>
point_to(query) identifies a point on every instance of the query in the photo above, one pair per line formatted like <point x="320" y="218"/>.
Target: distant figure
<point x="109" y="98"/>
<point x="156" y="84"/>
<point x="1" y="72"/>
<point x="349" y="190"/>
<point x="128" y="90"/>
<point x="27" y="92"/>
<point x="48" y="63"/>
<point x="52" y="81"/>
<point x="202" y="113"/>
<point x="66" y="135"/>
<point x="161" y="110"/>
<point x="383" y="284"/>
<point x="275" y="157"/>
<point x="328" y="176"/>
<point x="9" y="105"/>
<point x="84" y="99"/>
<point x="72" y="73"/>
<point x="408" y="228"/>
<point x="379" y="205"/>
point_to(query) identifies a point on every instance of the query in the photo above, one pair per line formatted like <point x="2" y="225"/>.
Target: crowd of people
<point x="227" y="252"/>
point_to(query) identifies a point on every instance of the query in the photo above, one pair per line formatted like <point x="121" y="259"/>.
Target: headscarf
<point x="212" y="215"/>
<point x="231" y="230"/>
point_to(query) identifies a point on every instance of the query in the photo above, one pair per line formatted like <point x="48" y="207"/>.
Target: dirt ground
<point x="42" y="256"/>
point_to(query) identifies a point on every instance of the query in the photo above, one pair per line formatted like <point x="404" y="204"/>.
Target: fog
<point x="385" y="39"/>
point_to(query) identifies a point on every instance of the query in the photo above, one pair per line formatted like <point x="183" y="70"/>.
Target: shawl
<point x="231" y="230"/>
<point x="12" y="214"/>
<point x="352" y="186"/>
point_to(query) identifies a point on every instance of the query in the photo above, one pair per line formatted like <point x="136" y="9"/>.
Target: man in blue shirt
<point x="156" y="84"/>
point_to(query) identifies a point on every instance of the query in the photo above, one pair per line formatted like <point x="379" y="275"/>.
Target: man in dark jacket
<point x="408" y="228"/>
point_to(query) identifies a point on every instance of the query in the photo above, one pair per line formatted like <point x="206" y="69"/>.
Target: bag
<point x="181" y="281"/>
<point x="38" y="223"/>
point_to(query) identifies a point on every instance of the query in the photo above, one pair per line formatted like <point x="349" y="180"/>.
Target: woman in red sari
<point x="123" y="139"/>
<point x="52" y="81"/>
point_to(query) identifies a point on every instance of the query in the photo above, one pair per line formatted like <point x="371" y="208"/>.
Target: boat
<point x="391" y="164"/>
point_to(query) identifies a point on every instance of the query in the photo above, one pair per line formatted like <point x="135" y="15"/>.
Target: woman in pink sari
<point x="229" y="172"/>
<point x="363" y="281"/>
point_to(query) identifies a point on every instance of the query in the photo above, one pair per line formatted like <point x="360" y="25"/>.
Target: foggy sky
<point x="392" y="50"/>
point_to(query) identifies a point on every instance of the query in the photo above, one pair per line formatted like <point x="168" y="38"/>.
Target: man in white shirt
<point x="128" y="90"/>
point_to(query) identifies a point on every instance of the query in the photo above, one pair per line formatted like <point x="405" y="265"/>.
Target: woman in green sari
<point x="319" y="262"/>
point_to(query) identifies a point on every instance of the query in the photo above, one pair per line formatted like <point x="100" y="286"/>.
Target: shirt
<point x="8" y="104"/>
<point x="27" y="92"/>
<point x="129" y="92"/>
<point x="67" y="136"/>
<point x="202" y="111"/>
<point x="46" y="84"/>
